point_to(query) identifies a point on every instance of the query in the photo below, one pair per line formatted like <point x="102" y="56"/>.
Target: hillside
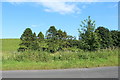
<point x="10" y="44"/>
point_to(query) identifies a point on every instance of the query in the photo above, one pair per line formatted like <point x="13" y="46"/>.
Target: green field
<point x="106" y="57"/>
<point x="10" y="44"/>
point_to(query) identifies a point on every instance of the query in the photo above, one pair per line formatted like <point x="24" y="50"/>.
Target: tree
<point x="34" y="36"/>
<point x="115" y="35"/>
<point x="34" y="44"/>
<point x="28" y="40"/>
<point x="87" y="26"/>
<point x="59" y="34"/>
<point x="105" y="36"/>
<point x="64" y="35"/>
<point x="53" y="45"/>
<point x="69" y="37"/>
<point x="51" y="33"/>
<point x="87" y="35"/>
<point x="40" y="36"/>
<point x="42" y="42"/>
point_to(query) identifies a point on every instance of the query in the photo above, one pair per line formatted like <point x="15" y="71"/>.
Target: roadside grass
<point x="38" y="60"/>
<point x="14" y="65"/>
<point x="7" y="47"/>
<point x="92" y="59"/>
<point x="0" y="54"/>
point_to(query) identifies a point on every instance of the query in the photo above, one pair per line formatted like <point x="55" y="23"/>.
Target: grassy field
<point x="10" y="44"/>
<point x="12" y="60"/>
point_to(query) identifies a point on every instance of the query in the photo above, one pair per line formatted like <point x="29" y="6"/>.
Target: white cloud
<point x="16" y="3"/>
<point x="60" y="7"/>
<point x="60" y="0"/>
<point x="14" y="0"/>
<point x="34" y="25"/>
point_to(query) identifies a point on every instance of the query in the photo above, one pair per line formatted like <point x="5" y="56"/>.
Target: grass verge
<point x="14" y="65"/>
<point x="100" y="61"/>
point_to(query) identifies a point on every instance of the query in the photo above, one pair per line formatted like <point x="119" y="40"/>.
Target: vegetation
<point x="56" y="49"/>
<point x="90" y="39"/>
<point x="60" y="60"/>
<point x="10" y="45"/>
<point x="105" y="36"/>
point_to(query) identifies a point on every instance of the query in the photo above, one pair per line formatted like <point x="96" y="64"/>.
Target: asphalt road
<point x="100" y="72"/>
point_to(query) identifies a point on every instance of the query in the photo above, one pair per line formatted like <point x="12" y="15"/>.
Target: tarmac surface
<point x="99" y="72"/>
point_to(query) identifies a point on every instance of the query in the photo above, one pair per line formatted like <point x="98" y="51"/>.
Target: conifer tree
<point x="28" y="40"/>
<point x="40" y="36"/>
<point x="90" y="40"/>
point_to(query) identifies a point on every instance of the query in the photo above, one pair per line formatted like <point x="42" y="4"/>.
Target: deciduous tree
<point x="105" y="36"/>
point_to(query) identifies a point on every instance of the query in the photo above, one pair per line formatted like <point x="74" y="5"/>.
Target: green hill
<point x="10" y="44"/>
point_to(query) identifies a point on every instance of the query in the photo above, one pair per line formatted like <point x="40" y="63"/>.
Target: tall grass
<point x="13" y="60"/>
<point x="93" y="59"/>
<point x="39" y="56"/>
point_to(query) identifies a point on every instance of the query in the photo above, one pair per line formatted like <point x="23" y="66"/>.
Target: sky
<point x="67" y="16"/>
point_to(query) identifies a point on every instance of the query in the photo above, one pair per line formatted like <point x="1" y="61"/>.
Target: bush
<point x="32" y="56"/>
<point x="42" y="56"/>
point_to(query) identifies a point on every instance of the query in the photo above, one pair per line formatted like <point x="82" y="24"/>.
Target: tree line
<point x="90" y="39"/>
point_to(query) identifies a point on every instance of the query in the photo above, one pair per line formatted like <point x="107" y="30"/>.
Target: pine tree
<point x="40" y="36"/>
<point x="51" y="33"/>
<point x="90" y="40"/>
<point x="28" y="40"/>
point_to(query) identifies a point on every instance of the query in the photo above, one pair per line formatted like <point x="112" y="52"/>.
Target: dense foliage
<point x="105" y="36"/>
<point x="90" y="39"/>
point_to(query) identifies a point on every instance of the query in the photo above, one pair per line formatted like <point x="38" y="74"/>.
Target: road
<point x="99" y="72"/>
